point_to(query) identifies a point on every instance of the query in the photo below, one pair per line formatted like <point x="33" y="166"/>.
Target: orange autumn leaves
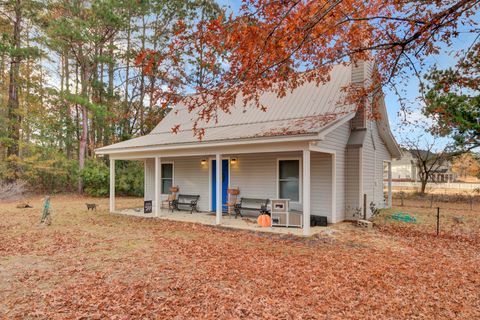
<point x="279" y="45"/>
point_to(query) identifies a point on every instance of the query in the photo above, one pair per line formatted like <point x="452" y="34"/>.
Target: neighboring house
<point x="322" y="155"/>
<point x="407" y="169"/>
<point x="443" y="173"/>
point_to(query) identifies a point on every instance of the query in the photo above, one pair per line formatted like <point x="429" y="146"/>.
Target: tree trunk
<point x="14" y="118"/>
<point x="68" y="116"/>
<point x="84" y="134"/>
<point x="127" y="76"/>
<point x="142" y="82"/>
<point x="423" y="186"/>
<point x="110" y="127"/>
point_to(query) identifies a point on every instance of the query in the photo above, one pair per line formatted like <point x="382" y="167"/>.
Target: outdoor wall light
<point x="204" y="162"/>
<point x="233" y="161"/>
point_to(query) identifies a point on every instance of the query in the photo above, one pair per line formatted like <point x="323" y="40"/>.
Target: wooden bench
<point x="186" y="200"/>
<point x="251" y="204"/>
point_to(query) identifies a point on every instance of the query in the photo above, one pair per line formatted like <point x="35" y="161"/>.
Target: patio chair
<point x="172" y="196"/>
<point x="232" y="200"/>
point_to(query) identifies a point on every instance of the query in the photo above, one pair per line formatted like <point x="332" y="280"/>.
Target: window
<point x="289" y="180"/>
<point x="167" y="177"/>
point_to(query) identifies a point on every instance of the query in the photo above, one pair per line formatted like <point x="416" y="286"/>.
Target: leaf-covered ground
<point x="93" y="265"/>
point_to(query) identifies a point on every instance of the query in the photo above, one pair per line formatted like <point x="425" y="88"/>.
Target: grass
<point x="91" y="264"/>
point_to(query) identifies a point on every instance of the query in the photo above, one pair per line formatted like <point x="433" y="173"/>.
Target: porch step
<point x="365" y="224"/>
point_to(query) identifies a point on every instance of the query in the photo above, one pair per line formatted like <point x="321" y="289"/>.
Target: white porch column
<point x="218" y="190"/>
<point x="389" y="185"/>
<point x="306" y="192"/>
<point x="158" y="178"/>
<point x="334" y="187"/>
<point x="112" y="185"/>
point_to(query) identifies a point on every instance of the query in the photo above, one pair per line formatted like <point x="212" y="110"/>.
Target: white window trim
<point x="300" y="175"/>
<point x="173" y="175"/>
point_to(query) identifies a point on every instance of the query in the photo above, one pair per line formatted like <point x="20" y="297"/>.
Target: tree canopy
<point x="78" y="75"/>
<point x="453" y="100"/>
<point x="279" y="45"/>
<point x="69" y="83"/>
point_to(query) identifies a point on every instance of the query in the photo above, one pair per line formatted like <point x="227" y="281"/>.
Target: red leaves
<point x="147" y="60"/>
<point x="96" y="265"/>
<point x="176" y="128"/>
<point x="279" y="45"/>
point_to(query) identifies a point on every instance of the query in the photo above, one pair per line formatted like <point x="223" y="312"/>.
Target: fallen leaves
<point x="95" y="265"/>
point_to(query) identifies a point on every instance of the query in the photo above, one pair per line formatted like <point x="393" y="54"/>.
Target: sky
<point x="411" y="93"/>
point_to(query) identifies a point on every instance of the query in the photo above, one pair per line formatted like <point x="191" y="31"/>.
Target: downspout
<point x="374" y="160"/>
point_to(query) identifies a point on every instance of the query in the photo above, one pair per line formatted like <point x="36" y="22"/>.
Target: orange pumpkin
<point x="264" y="220"/>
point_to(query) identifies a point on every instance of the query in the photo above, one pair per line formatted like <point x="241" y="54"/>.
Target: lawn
<point x="95" y="265"/>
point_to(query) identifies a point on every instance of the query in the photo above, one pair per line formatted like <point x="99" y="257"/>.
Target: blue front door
<point x="224" y="184"/>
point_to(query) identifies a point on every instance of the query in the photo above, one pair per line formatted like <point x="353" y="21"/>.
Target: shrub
<point x="50" y="172"/>
<point x="47" y="170"/>
<point x="95" y="178"/>
<point x="128" y="178"/>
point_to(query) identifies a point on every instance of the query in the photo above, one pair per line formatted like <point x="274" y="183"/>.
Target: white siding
<point x="149" y="188"/>
<point x="256" y="176"/>
<point x="374" y="154"/>
<point x="337" y="141"/>
<point x="192" y="178"/>
<point x="382" y="155"/>
<point x="321" y="185"/>
<point x="352" y="186"/>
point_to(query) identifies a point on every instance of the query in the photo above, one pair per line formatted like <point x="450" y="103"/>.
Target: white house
<point x="405" y="168"/>
<point x="308" y="147"/>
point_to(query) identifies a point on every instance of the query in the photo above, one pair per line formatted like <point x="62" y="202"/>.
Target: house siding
<point x="254" y="174"/>
<point x="374" y="154"/>
<point x="337" y="141"/>
<point x="352" y="187"/>
<point x="321" y="185"/>
<point x="191" y="177"/>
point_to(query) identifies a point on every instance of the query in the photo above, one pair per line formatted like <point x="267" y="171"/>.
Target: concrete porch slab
<point x="208" y="218"/>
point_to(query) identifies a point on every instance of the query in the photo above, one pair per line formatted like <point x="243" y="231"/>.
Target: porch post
<point x="158" y="177"/>
<point x="306" y="192"/>
<point x="112" y="185"/>
<point x="218" y="190"/>
<point x="389" y="185"/>
<point x="334" y="187"/>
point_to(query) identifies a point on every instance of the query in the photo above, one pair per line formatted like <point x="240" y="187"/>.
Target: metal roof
<point x="309" y="109"/>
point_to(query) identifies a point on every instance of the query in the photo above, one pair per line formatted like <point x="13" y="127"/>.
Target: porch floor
<point x="208" y="218"/>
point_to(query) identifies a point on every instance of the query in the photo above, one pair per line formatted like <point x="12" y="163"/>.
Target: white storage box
<point x="281" y="215"/>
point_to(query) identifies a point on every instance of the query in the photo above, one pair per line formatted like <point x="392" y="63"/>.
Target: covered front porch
<point x="209" y="219"/>
<point x="274" y="171"/>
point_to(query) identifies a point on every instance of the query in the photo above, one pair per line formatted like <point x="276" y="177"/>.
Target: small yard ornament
<point x="46" y="219"/>
<point x="264" y="220"/>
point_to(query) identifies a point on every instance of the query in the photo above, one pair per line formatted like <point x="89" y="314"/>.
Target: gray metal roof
<point x="309" y="109"/>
